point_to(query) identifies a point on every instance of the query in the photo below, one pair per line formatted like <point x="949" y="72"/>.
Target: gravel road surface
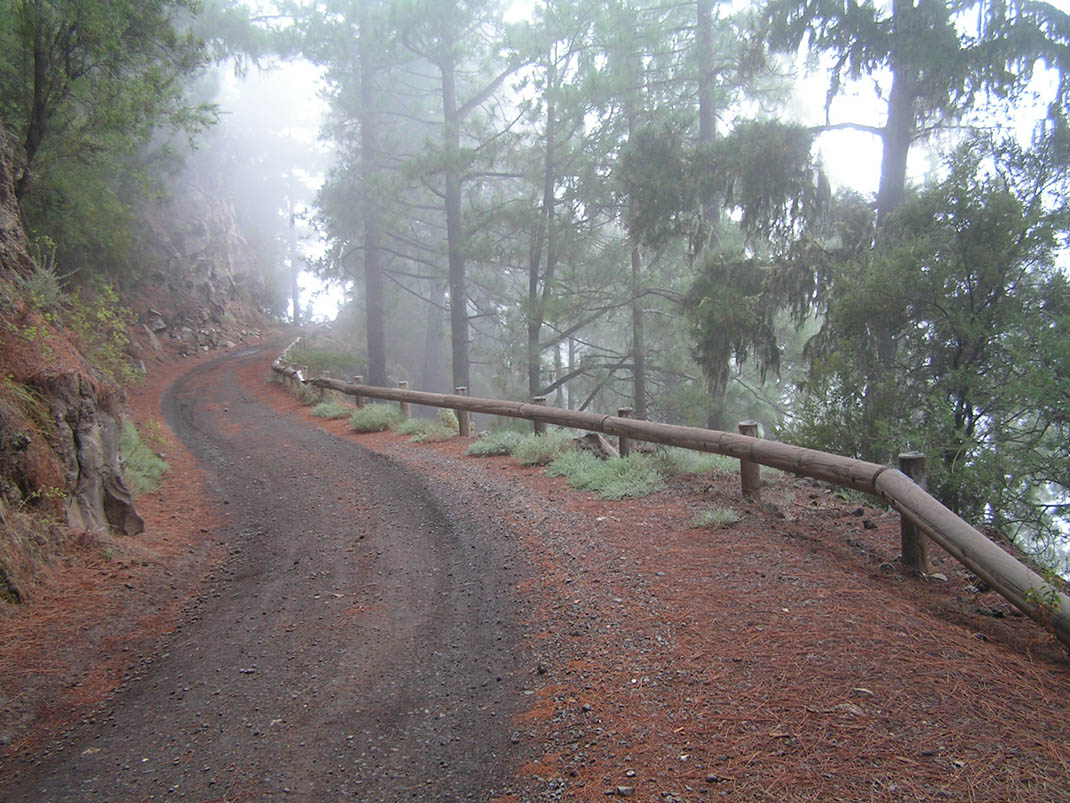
<point x="358" y="643"/>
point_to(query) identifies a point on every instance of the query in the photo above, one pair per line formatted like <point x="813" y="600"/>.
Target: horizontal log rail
<point x="1026" y="590"/>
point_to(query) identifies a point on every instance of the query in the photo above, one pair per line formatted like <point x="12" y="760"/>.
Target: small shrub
<point x="42" y="287"/>
<point x="574" y="463"/>
<point x="500" y="442"/>
<point x="541" y="450"/>
<point x="100" y="324"/>
<point x="633" y="476"/>
<point x="410" y="426"/>
<point x="374" y="418"/>
<point x="424" y="430"/>
<point x="142" y="467"/>
<point x="674" y="461"/>
<point x="447" y="419"/>
<point x="307" y="396"/>
<point x="715" y="518"/>
<point x="433" y="434"/>
<point x="331" y="409"/>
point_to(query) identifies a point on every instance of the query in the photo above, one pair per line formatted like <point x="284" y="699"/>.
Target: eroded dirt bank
<point x="356" y="642"/>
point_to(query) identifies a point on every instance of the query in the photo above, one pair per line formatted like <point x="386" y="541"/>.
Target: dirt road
<point x="356" y="643"/>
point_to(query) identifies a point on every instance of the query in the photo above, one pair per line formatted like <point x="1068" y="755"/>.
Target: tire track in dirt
<point x="357" y="643"/>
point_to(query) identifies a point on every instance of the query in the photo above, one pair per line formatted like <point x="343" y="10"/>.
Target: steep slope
<point x="191" y="284"/>
<point x="201" y="286"/>
<point x="60" y="419"/>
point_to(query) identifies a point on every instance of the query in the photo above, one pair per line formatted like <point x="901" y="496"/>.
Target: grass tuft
<point x="374" y="418"/>
<point x="142" y="467"/>
<point x="332" y="410"/>
<point x="501" y="442"/>
<point x="424" y="430"/>
<point x="675" y="461"/>
<point x="541" y="450"/>
<point x="633" y="476"/>
<point x="715" y="518"/>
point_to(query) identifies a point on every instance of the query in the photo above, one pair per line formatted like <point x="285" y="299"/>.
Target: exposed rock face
<point x="203" y="276"/>
<point x="60" y="424"/>
<point x="90" y="427"/>
<point x="14" y="253"/>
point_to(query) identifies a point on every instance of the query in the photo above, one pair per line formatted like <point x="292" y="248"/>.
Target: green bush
<point x="424" y="430"/>
<point x="100" y="324"/>
<point x="541" y="450"/>
<point x="574" y="463"/>
<point x="715" y="518"/>
<point x="142" y="467"/>
<point x="500" y="442"/>
<point x="43" y="287"/>
<point x="307" y="396"/>
<point x="447" y="419"/>
<point x="411" y="426"/>
<point x="674" y="461"/>
<point x="331" y="409"/>
<point x="374" y="418"/>
<point x="619" y="477"/>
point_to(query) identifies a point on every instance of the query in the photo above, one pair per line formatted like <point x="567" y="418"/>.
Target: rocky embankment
<point x="60" y="415"/>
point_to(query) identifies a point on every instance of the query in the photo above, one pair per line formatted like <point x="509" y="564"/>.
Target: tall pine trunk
<point x="539" y="291"/>
<point x="454" y="232"/>
<point x="707" y="121"/>
<point x="373" y="272"/>
<point x="896" y="140"/>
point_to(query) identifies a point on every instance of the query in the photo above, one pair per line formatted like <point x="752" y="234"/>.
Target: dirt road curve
<point x="356" y="644"/>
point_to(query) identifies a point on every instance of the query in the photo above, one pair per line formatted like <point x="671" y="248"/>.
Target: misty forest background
<point x="613" y="203"/>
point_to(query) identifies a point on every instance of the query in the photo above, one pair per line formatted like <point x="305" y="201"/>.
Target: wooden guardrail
<point x="1019" y="585"/>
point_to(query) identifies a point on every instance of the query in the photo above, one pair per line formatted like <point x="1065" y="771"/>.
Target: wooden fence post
<point x="749" y="471"/>
<point x="403" y="406"/>
<point x="464" y="420"/>
<point x="358" y="401"/>
<point x="914" y="543"/>
<point x="324" y="393"/>
<point x="540" y="426"/>
<point x="624" y="443"/>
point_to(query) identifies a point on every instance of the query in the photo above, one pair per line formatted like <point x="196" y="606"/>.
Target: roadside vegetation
<point x="616" y="478"/>
<point x="429" y="430"/>
<point x="374" y="418"/>
<point x="639" y="474"/>
<point x="142" y="467"/>
<point x="715" y="518"/>
<point x="494" y="443"/>
<point x="332" y="410"/>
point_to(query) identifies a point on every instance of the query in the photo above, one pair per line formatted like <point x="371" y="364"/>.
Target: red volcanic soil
<point x="100" y="607"/>
<point x="786" y="656"/>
